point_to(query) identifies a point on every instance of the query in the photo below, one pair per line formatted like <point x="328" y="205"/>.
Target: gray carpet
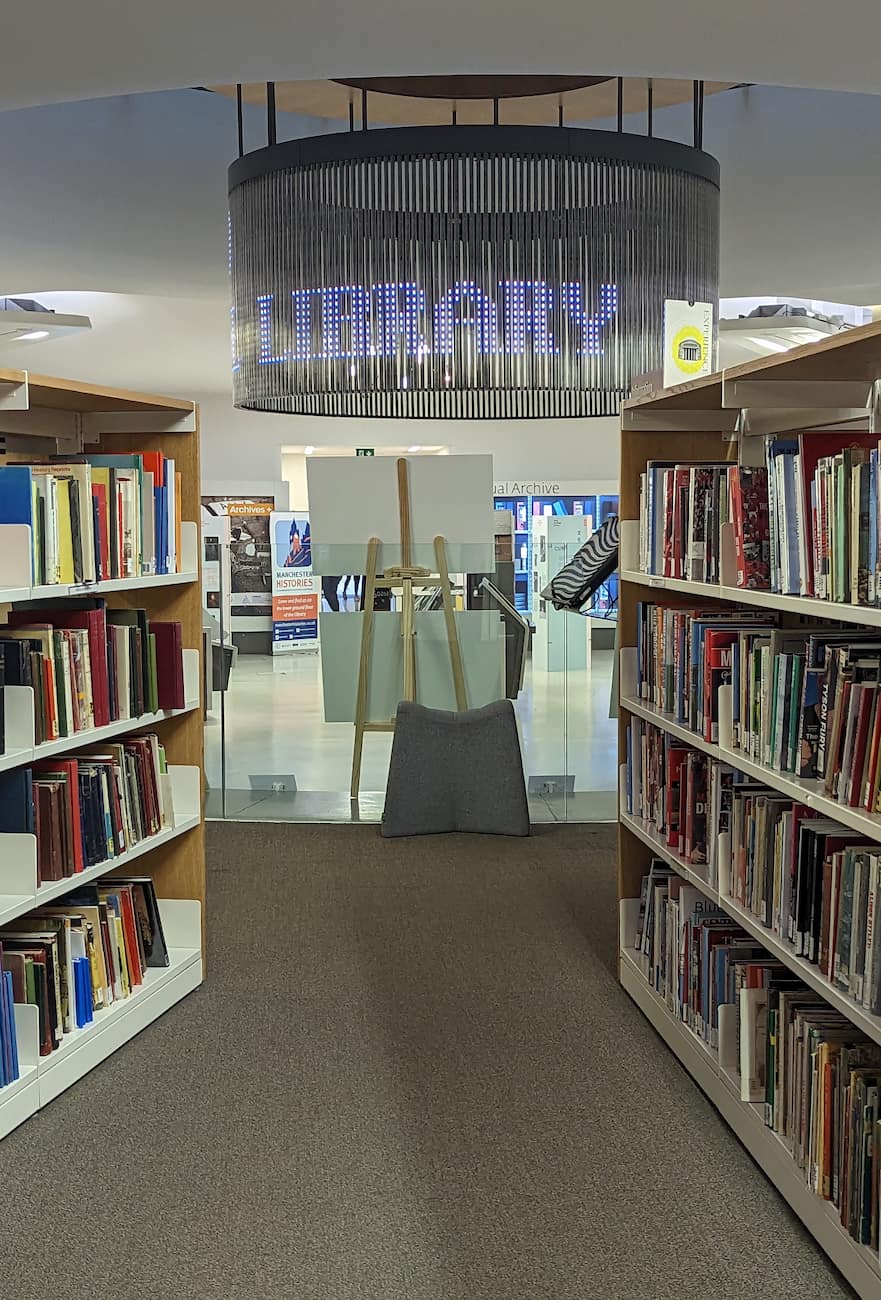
<point x="411" y="1075"/>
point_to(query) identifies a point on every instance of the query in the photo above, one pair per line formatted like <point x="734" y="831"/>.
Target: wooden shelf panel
<point x="863" y="615"/>
<point x="856" y="1262"/>
<point x="776" y="946"/>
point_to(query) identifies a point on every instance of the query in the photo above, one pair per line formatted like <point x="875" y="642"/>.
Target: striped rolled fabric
<point x="591" y="566"/>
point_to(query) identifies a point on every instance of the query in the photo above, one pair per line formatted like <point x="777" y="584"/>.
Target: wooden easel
<point x="404" y="576"/>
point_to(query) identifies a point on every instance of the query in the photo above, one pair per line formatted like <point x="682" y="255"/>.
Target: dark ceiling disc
<point x="471" y="87"/>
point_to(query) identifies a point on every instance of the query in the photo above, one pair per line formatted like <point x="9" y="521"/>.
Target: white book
<point x="753" y="1019"/>
<point x="81" y="483"/>
<point x="48" y="493"/>
<point x="171" y="503"/>
<point x="120" y="636"/>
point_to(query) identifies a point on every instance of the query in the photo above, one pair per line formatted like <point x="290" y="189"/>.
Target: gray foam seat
<point x="456" y="772"/>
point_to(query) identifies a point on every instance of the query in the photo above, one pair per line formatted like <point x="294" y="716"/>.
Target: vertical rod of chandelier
<point x="695" y="131"/>
<point x="363" y="110"/>
<point x="351" y="114"/>
<point x="560" y="113"/>
<point x="496" y="111"/>
<point x="620" y="103"/>
<point x="455" y="118"/>
<point x="271" y="131"/>
<point x="239" y="122"/>
<point x="650" y="107"/>
<point x="700" y="116"/>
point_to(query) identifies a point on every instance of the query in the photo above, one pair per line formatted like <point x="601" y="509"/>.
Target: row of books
<point x="807" y="522"/>
<point x="813" y="883"/>
<point x="806" y="702"/>
<point x="91" y="808"/>
<point x="77" y="957"/>
<point x="96" y="517"/>
<point x="89" y="665"/>
<point x="816" y="1079"/>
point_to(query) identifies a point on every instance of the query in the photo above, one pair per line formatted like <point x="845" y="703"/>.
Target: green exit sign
<point x="364" y="451"/>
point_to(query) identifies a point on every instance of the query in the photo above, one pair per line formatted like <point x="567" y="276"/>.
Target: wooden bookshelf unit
<point x="42" y="417"/>
<point x="724" y="417"/>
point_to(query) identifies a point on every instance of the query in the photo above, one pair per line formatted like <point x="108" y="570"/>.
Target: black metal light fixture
<point x="462" y="271"/>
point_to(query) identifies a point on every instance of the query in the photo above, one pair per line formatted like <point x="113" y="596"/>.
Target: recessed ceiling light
<point x="418" y="447"/>
<point x="309" y="450"/>
<point x="33" y="334"/>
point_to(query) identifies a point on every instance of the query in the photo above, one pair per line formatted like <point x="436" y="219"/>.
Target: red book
<point x="812" y="448"/>
<point x="676" y="757"/>
<point x="129" y="926"/>
<point x="717" y="672"/>
<point x="93" y="620"/>
<point x="169" y="664"/>
<point x="749" y="515"/>
<point x="681" y="478"/>
<point x="854" y="777"/>
<point x="154" y="463"/>
<point x="102" y="559"/>
<point x="872" y="765"/>
<point x="69" y="767"/>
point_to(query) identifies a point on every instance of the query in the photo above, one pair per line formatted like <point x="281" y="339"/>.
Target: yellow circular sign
<point x="689" y="350"/>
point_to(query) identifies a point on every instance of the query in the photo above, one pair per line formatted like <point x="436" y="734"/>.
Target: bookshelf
<point x="42" y="417"/>
<point x="722" y="418"/>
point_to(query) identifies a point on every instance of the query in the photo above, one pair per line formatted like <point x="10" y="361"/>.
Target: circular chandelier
<point x="483" y="271"/>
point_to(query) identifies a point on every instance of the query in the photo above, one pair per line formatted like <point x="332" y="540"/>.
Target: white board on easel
<point x="352" y="499"/>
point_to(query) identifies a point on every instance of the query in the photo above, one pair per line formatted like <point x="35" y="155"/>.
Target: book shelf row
<point x="43" y="1078"/>
<point x="721" y="1085"/>
<point x="19" y="705"/>
<point x="20" y="887"/>
<point x="805" y="522"/>
<point x="16" y="571"/>
<point x="749" y="765"/>
<point x="808" y="792"/>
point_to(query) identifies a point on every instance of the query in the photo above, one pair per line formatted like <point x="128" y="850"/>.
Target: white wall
<point x="237" y="443"/>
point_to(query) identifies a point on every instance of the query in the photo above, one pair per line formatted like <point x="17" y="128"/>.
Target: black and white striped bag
<point x="591" y="566"/>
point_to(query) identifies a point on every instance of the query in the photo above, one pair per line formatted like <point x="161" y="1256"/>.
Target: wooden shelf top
<point x="854" y="354"/>
<point x="71" y="395"/>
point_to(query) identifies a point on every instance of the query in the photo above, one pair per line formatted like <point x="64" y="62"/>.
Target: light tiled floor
<point x="276" y="736"/>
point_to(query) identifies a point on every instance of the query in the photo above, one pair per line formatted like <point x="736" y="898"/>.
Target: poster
<point x="249" y="550"/>
<point x="295" y="589"/>
<point x="216" y="572"/>
<point x="688" y="340"/>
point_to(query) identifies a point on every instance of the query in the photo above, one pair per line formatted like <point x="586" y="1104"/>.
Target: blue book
<point x="15" y="1069"/>
<point x="80" y="990"/>
<point x="17" y="802"/>
<point x="16" y="495"/>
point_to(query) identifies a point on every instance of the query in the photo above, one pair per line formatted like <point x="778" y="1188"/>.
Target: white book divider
<point x="627" y="672"/>
<point x="189" y="547"/>
<point x="729" y="1061"/>
<point x="192" y="678"/>
<point x="628" y="916"/>
<point x="622" y="789"/>
<point x="18" y="704"/>
<point x="15" y="562"/>
<point x="185" y="784"/>
<point x="18" y="875"/>
<point x="628" y="544"/>
<point x="20" y="1099"/>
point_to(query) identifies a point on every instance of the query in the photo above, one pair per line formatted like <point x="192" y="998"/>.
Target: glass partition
<point x="271" y="755"/>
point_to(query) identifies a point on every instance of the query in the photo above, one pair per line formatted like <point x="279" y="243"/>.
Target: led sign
<point x="470" y="272"/>
<point x="388" y="320"/>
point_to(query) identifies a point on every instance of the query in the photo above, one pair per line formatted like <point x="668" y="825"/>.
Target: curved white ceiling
<point x="94" y="48"/>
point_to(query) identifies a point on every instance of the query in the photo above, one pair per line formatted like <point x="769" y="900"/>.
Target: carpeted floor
<point x="411" y="1075"/>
